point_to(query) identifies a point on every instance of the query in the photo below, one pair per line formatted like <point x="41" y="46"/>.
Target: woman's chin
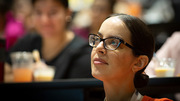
<point x="98" y="75"/>
<point x="47" y="35"/>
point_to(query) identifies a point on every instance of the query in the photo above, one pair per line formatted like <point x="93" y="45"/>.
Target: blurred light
<point x="77" y="5"/>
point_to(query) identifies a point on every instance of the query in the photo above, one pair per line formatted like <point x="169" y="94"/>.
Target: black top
<point x="72" y="62"/>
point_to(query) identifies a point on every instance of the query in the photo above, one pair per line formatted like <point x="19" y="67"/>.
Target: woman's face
<point x="112" y="64"/>
<point x="49" y="17"/>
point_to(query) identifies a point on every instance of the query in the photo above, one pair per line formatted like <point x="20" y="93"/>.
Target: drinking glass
<point x="22" y="66"/>
<point x="44" y="73"/>
<point x="165" y="67"/>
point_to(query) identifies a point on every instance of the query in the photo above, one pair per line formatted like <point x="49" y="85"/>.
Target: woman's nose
<point x="45" y="19"/>
<point x="100" y="48"/>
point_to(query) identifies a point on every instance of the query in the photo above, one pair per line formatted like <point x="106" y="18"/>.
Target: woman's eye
<point x="92" y="39"/>
<point x="37" y="12"/>
<point x="96" y="39"/>
<point x="113" y="42"/>
<point x="53" y="12"/>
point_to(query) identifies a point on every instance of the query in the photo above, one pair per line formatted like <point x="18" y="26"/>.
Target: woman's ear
<point x="68" y="16"/>
<point x="141" y="62"/>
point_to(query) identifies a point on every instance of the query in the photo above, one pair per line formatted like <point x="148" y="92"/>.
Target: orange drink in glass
<point x="44" y="74"/>
<point x="22" y="74"/>
<point x="165" y="67"/>
<point x="22" y="63"/>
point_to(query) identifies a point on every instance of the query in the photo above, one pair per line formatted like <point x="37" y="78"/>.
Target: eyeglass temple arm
<point x="128" y="45"/>
<point x="141" y="52"/>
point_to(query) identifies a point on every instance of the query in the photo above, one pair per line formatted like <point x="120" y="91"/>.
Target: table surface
<point x="81" y="83"/>
<point x="86" y="87"/>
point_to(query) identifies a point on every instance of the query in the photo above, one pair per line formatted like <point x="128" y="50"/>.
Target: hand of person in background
<point x="41" y="71"/>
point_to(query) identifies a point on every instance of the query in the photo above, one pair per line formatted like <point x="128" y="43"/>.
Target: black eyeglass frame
<point x="120" y="41"/>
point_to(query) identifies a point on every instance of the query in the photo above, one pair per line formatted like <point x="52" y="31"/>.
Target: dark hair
<point x="63" y="2"/>
<point x="143" y="42"/>
<point x="5" y="6"/>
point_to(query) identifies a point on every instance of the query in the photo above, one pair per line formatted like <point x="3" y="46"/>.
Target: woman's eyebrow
<point x="100" y="34"/>
<point x="111" y="35"/>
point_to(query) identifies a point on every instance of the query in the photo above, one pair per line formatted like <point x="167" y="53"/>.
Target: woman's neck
<point x="51" y="47"/>
<point x="119" y="91"/>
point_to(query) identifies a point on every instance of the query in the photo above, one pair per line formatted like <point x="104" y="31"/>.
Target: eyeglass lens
<point x="109" y="43"/>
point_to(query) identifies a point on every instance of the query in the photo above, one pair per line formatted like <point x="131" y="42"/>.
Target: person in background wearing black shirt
<point x="57" y="45"/>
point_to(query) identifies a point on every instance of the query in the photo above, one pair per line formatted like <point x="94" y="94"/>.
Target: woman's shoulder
<point x="30" y="37"/>
<point x="77" y="48"/>
<point x="27" y="42"/>
<point x="147" y="98"/>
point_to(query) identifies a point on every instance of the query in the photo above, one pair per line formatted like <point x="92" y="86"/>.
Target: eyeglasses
<point x="110" y="43"/>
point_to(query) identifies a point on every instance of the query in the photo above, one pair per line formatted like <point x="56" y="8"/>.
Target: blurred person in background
<point x="89" y="21"/>
<point x="131" y="7"/>
<point x="23" y="9"/>
<point x="160" y="11"/>
<point x="58" y="46"/>
<point x="4" y="8"/>
<point x="12" y="26"/>
<point x="170" y="49"/>
<point x="13" y="14"/>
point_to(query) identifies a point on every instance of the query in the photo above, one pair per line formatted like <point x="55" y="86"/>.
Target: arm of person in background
<point x="8" y="75"/>
<point x="170" y="49"/>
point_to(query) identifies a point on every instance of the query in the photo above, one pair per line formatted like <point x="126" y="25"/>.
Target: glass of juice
<point x="22" y="63"/>
<point x="44" y="73"/>
<point x="165" y="67"/>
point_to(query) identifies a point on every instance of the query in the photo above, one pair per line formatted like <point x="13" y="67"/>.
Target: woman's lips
<point x="99" y="61"/>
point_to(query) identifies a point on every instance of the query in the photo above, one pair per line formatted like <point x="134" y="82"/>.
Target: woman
<point x="121" y="51"/>
<point x="99" y="11"/>
<point x="57" y="45"/>
<point x="12" y="23"/>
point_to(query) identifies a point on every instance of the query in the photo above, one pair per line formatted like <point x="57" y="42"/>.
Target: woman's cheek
<point x="93" y="53"/>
